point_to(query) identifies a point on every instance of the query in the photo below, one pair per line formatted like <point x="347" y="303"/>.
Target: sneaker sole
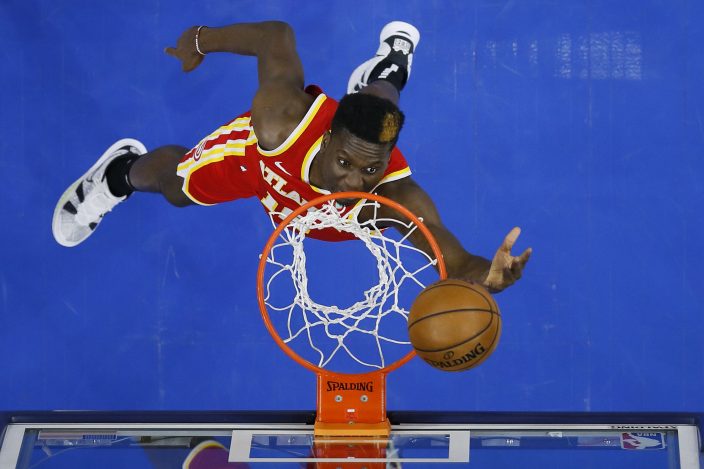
<point x="68" y="193"/>
<point x="405" y="29"/>
<point x="358" y="74"/>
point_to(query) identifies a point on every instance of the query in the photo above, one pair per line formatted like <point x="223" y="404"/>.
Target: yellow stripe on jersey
<point x="300" y="128"/>
<point x="219" y="152"/>
<point x="353" y="214"/>
<point x="395" y="176"/>
<point x="354" y="211"/>
<point x="307" y="162"/>
<point x="239" y="124"/>
<point x="216" y="153"/>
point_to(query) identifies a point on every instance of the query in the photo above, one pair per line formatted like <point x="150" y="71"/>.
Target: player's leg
<point x="156" y="172"/>
<point x="123" y="168"/>
<point x="386" y="73"/>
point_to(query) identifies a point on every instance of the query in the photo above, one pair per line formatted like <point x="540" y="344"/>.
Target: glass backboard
<point x="282" y="440"/>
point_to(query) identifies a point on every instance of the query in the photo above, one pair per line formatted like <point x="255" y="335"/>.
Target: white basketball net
<point x="363" y="317"/>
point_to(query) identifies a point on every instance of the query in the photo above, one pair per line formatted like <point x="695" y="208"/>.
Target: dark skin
<point x="344" y="162"/>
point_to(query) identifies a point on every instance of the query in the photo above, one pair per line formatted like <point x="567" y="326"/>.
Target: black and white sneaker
<point x="84" y="204"/>
<point x="398" y="41"/>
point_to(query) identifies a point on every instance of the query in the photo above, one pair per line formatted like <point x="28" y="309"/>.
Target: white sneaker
<point x="398" y="41"/>
<point x="84" y="204"/>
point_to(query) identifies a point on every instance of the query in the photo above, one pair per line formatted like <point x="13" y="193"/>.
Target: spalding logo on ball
<point x="454" y="325"/>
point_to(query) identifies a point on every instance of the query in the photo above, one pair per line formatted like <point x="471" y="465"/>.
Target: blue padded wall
<point x="579" y="121"/>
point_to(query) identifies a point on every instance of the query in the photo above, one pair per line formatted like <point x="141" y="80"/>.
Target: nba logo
<point x="643" y="440"/>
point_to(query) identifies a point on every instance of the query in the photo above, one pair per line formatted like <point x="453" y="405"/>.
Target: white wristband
<point x="197" y="43"/>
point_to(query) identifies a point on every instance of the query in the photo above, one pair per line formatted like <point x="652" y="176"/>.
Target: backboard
<point x="285" y="439"/>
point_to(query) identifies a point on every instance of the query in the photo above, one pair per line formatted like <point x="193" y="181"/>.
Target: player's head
<point x="371" y="118"/>
<point x="355" y="153"/>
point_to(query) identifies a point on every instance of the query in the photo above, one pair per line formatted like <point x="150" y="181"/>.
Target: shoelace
<point x="95" y="205"/>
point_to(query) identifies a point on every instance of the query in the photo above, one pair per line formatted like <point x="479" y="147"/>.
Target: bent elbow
<point x="281" y="30"/>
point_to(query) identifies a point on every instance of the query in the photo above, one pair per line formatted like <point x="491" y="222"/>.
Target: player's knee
<point x="175" y="152"/>
<point x="172" y="190"/>
<point x="178" y="199"/>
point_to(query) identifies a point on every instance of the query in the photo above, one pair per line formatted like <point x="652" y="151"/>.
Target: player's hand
<point x="185" y="50"/>
<point x="506" y="269"/>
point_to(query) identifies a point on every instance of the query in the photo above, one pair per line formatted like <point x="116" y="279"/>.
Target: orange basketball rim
<point x="347" y="404"/>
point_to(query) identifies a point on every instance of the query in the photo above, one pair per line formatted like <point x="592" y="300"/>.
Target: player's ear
<point x="326" y="140"/>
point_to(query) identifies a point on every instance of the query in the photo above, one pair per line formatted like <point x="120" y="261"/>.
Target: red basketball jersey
<point x="229" y="164"/>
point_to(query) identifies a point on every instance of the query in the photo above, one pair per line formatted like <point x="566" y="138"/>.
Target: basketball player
<point x="295" y="144"/>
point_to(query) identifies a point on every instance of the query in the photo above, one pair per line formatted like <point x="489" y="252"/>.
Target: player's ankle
<point x="382" y="89"/>
<point x="117" y="175"/>
<point x="391" y="72"/>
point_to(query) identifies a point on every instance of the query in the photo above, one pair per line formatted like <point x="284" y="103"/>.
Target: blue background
<point x="579" y="121"/>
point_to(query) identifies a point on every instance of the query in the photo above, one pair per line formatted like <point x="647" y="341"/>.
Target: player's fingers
<point x="171" y="51"/>
<point x="493" y="278"/>
<point x="510" y="239"/>
<point x="523" y="258"/>
<point x="509" y="276"/>
<point x="504" y="281"/>
<point x="191" y="63"/>
<point x="516" y="269"/>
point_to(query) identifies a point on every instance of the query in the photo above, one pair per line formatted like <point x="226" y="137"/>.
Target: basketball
<point x="454" y="325"/>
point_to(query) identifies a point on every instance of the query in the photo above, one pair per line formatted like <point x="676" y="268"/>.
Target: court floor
<point x="579" y="121"/>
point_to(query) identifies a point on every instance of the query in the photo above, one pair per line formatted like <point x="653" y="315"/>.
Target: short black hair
<point x="369" y="117"/>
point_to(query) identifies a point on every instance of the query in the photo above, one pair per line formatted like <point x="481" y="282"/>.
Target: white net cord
<point x="306" y="317"/>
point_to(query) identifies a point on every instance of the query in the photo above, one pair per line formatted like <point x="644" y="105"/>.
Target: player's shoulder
<point x="397" y="186"/>
<point x="277" y="111"/>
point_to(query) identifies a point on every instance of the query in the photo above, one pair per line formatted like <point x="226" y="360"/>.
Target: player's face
<point x="348" y="163"/>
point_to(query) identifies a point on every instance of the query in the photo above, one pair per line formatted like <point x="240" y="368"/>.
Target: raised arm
<point x="280" y="101"/>
<point x="496" y="275"/>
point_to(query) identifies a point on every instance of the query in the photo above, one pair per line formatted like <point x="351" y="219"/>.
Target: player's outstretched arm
<point x="272" y="42"/>
<point x="280" y="102"/>
<point x="505" y="269"/>
<point x="496" y="275"/>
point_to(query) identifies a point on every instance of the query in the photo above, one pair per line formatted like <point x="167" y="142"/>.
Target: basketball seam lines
<point x="462" y="285"/>
<point x="464" y="341"/>
<point x="468" y="310"/>
<point x="489" y="351"/>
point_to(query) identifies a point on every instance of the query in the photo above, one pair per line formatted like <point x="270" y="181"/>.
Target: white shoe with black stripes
<point x="397" y="41"/>
<point x="84" y="204"/>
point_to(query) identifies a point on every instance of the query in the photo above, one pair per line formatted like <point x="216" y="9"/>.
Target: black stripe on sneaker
<point x="68" y="206"/>
<point x="126" y="150"/>
<point x="79" y="192"/>
<point x="403" y="34"/>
